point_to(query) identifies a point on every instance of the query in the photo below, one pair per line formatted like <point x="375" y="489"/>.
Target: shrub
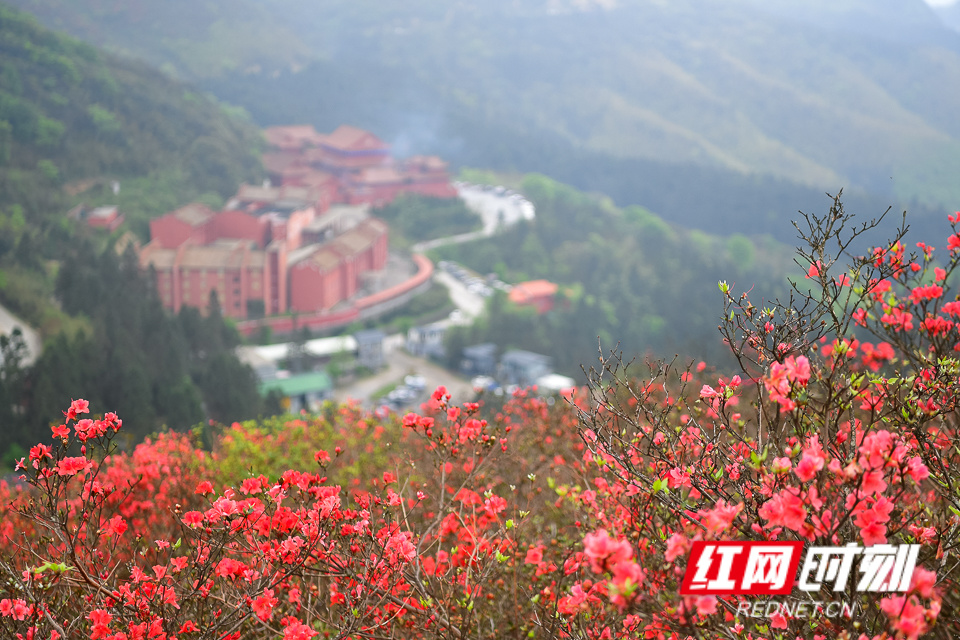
<point x="530" y="521"/>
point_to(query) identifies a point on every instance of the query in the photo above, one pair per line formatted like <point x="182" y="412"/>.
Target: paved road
<point x="401" y="364"/>
<point x="470" y="304"/>
<point x="8" y="322"/>
<point x="498" y="211"/>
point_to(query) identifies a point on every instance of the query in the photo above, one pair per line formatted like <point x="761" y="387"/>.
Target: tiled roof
<point x="295" y="385"/>
<point x="215" y="256"/>
<point x="379" y="175"/>
<point x="351" y="138"/>
<point x="292" y="136"/>
<point x="525" y="291"/>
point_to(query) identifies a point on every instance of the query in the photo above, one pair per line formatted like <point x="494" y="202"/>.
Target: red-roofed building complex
<point x="535" y="293"/>
<point x="302" y="241"/>
<point x="351" y="166"/>
<point x="259" y="264"/>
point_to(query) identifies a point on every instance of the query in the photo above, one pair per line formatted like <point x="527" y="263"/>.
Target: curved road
<point x="498" y="211"/>
<point x="8" y="322"/>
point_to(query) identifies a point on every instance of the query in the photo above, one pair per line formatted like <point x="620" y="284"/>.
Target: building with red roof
<point x="539" y="294"/>
<point x="261" y="264"/>
<point x="351" y="166"/>
<point x="280" y="246"/>
<point x="108" y="218"/>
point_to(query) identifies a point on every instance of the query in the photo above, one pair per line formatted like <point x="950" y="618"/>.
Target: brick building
<point x="258" y="264"/>
<point x="302" y="241"/>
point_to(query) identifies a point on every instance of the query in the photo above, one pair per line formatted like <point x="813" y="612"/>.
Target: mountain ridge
<point x="768" y="90"/>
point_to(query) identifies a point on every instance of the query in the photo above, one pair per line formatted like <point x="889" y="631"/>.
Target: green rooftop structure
<point x="300" y="391"/>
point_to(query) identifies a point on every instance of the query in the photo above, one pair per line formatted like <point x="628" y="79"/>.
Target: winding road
<point x="9" y="322"/>
<point x="498" y="210"/>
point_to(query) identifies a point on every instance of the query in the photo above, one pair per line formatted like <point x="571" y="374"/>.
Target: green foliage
<point x="182" y="37"/>
<point x="73" y="114"/>
<point x="28" y="292"/>
<point x="627" y="277"/>
<point x="49" y="170"/>
<point x="432" y="304"/>
<point x="273" y="445"/>
<point x="741" y="251"/>
<point x="103" y="120"/>
<point x="133" y="357"/>
<point x="417" y="217"/>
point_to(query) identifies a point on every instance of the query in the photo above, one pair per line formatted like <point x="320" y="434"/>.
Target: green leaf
<point x="51" y="566"/>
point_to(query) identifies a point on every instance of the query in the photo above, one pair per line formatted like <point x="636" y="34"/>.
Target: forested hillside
<point x="626" y="277"/>
<point x="72" y="121"/>
<point x="69" y="112"/>
<point x="184" y="38"/>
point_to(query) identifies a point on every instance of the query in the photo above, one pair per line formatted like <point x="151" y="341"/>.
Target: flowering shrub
<point x="823" y="437"/>
<point x="575" y="521"/>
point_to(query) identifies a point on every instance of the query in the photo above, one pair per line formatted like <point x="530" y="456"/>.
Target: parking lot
<point x="481" y="286"/>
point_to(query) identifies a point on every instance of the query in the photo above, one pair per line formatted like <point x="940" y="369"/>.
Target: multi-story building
<point x="258" y="264"/>
<point x="286" y="245"/>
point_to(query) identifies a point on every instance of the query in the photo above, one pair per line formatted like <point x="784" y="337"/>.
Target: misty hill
<point x="857" y="93"/>
<point x="70" y="113"/>
<point x="184" y="38"/>
<point x="721" y="115"/>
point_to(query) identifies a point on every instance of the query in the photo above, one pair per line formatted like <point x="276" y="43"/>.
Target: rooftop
<point x="379" y="175"/>
<point x="319" y="347"/>
<point x="223" y="254"/>
<point x="346" y="137"/>
<point x="291" y="136"/>
<point x="483" y="350"/>
<point x="325" y="258"/>
<point x="520" y="357"/>
<point x="345" y="215"/>
<point x="290" y="194"/>
<point x="194" y="214"/>
<point x="524" y="291"/>
<point x="369" y="335"/>
<point x="298" y="384"/>
<point x="103" y="212"/>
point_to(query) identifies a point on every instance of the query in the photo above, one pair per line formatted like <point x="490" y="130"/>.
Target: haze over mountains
<point x="763" y="103"/>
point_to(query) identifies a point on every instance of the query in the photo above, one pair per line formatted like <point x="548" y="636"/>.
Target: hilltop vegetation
<point x="72" y="120"/>
<point x="184" y="38"/>
<point x="626" y="276"/>
<point x="70" y="113"/>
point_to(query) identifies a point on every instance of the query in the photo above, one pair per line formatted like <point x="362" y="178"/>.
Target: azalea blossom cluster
<point x="833" y="439"/>
<point x="293" y="556"/>
<point x="525" y="520"/>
